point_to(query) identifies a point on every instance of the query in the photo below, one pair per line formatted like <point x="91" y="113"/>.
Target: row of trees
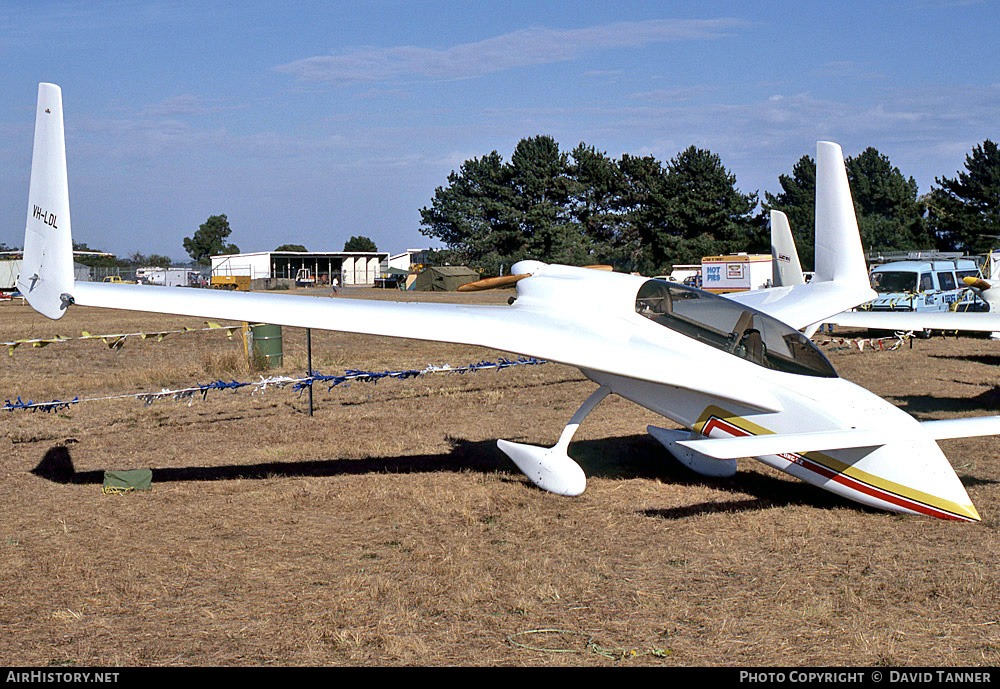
<point x="207" y="241"/>
<point x="358" y="243"/>
<point x="105" y="260"/>
<point x="210" y="240"/>
<point x="959" y="214"/>
<point x="638" y="214"/>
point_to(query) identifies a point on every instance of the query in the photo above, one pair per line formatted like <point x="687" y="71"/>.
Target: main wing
<point x="594" y="340"/>
<point x="556" y="317"/>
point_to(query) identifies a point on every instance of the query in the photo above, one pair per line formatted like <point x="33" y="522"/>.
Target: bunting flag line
<point x="116" y="341"/>
<point x="874" y="343"/>
<point x="299" y="384"/>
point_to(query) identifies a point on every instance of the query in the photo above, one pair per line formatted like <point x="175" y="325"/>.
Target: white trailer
<point x="735" y="273"/>
<point x="9" y="270"/>
<point x="166" y="277"/>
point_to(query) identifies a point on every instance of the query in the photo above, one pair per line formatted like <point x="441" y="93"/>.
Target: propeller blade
<point x="492" y="283"/>
<point x="976" y="283"/>
<point x="508" y="280"/>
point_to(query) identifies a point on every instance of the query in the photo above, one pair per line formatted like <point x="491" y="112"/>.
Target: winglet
<point x="46" y="278"/>
<point x="784" y="256"/>
<point x="841" y="278"/>
<point x="839" y="256"/>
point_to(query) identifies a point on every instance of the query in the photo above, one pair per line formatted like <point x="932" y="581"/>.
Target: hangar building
<point x="350" y="267"/>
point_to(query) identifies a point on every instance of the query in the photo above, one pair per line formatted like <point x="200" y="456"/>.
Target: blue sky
<point x="309" y="122"/>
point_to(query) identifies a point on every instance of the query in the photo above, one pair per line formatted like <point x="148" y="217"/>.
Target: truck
<point x="240" y="283"/>
<point x="736" y="272"/>
<point x="230" y="277"/>
<point x="117" y="280"/>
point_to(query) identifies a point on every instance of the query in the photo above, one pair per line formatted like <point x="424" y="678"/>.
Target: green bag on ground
<point x="119" y="482"/>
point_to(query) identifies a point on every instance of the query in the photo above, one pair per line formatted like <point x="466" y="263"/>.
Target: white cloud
<point x="187" y="104"/>
<point x="849" y="69"/>
<point x="508" y="51"/>
<point x="673" y="95"/>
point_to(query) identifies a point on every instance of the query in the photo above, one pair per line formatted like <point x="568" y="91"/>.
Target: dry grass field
<point x="387" y="529"/>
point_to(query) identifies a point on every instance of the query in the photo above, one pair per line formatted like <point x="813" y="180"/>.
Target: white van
<point x="922" y="285"/>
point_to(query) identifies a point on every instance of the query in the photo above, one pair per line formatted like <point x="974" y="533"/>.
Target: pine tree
<point x="584" y="208"/>
<point x="797" y="200"/>
<point x="889" y="213"/>
<point x="474" y="215"/>
<point x="596" y="186"/>
<point x="644" y="208"/>
<point x="541" y="185"/>
<point x="705" y="212"/>
<point x="885" y="203"/>
<point x="210" y="240"/>
<point x="964" y="212"/>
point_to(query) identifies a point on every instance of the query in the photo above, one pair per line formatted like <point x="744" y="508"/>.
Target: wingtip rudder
<point x="786" y="268"/>
<point x="831" y="146"/>
<point x="49" y="88"/>
<point x="839" y="255"/>
<point x="46" y="278"/>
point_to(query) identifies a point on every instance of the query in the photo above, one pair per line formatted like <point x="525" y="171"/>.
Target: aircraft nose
<point x="973" y="515"/>
<point x="910" y="476"/>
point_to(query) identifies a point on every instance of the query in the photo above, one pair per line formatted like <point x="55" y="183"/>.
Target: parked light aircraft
<point x="736" y="373"/>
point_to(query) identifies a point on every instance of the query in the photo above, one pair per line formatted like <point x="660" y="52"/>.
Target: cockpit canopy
<point x="732" y="327"/>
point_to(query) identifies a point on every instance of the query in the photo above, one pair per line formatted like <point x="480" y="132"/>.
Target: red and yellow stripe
<point x="714" y="418"/>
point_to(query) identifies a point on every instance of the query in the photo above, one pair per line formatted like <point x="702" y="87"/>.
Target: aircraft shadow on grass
<point x="637" y="456"/>
<point x="988" y="359"/>
<point x="922" y="404"/>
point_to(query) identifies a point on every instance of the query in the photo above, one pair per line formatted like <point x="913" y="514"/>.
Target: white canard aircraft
<point x="735" y="372"/>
